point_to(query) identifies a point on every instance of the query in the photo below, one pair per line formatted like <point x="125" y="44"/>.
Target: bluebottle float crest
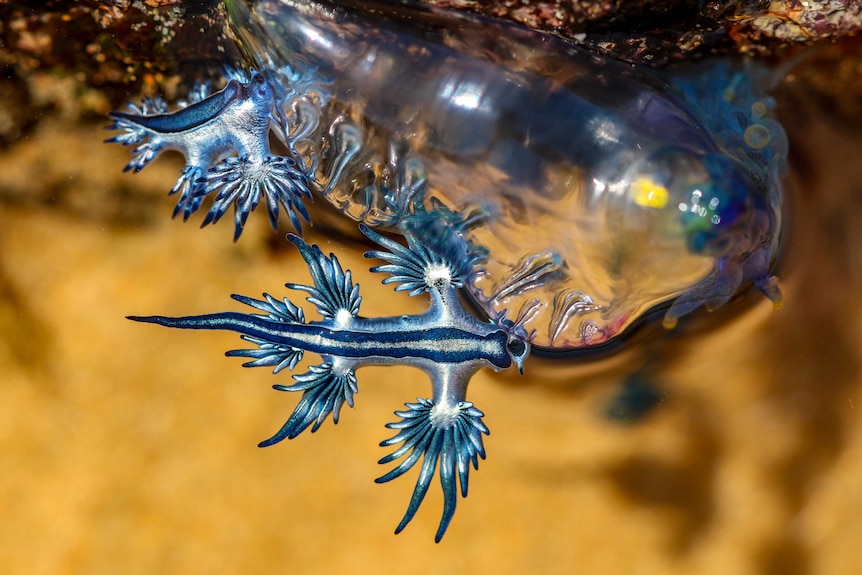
<point x="447" y="342"/>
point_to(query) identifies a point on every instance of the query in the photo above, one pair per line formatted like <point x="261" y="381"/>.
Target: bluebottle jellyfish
<point x="564" y="193"/>
<point x="597" y="188"/>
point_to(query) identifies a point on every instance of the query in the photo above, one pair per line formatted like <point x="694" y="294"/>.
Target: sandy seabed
<point x="130" y="449"/>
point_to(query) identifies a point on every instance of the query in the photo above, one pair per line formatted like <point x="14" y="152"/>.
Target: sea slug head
<point x="258" y="89"/>
<point x="258" y="99"/>
<point x="518" y="345"/>
<point x="518" y="350"/>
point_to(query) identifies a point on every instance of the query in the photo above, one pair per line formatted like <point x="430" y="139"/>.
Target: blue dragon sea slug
<point x="596" y="188"/>
<point x="446" y="342"/>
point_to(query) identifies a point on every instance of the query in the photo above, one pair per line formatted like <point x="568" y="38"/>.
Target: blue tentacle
<point x="242" y="182"/>
<point x="449" y="435"/>
<point x="326" y="389"/>
<point x="333" y="289"/>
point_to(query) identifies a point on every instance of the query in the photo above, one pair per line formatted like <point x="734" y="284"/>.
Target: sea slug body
<point x="234" y="120"/>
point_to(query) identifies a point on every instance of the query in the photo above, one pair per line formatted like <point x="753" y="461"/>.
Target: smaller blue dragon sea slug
<point x="207" y="130"/>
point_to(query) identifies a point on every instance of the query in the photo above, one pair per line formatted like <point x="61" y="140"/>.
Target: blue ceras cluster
<point x="446" y="342"/>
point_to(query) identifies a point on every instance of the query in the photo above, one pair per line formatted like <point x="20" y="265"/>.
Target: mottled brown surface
<point x="658" y="31"/>
<point x="148" y="42"/>
<point x="127" y="448"/>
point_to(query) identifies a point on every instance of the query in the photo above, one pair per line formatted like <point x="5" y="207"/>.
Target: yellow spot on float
<point x="648" y="194"/>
